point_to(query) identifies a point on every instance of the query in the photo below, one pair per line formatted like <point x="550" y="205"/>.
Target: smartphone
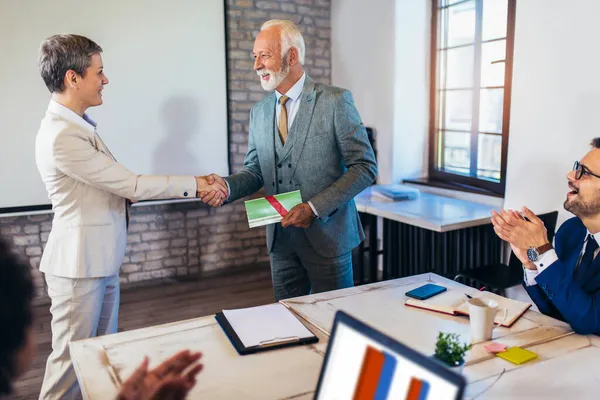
<point x="426" y="291"/>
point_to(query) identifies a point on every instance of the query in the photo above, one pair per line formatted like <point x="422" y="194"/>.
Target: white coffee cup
<point x="482" y="312"/>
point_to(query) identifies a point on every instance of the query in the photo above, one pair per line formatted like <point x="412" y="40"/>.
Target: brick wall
<point x="186" y="239"/>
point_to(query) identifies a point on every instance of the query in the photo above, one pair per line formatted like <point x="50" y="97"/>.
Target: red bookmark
<point x="276" y="205"/>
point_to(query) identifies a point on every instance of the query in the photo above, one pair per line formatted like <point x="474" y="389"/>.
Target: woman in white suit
<point x="90" y="194"/>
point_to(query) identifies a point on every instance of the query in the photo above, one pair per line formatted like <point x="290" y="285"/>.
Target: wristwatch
<point x="533" y="253"/>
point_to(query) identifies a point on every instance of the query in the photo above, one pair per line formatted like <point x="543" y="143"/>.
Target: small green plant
<point x="449" y="350"/>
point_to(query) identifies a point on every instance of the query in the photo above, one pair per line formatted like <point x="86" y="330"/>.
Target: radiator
<point x="409" y="250"/>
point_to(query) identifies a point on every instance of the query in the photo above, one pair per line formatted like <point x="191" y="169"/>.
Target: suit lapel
<point x="266" y="130"/>
<point x="587" y="276"/>
<point x="302" y="120"/>
<point x="104" y="146"/>
<point x="575" y="258"/>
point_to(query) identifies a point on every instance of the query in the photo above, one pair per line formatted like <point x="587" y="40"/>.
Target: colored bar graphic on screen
<point x="385" y="379"/>
<point x="375" y="376"/>
<point x="418" y="389"/>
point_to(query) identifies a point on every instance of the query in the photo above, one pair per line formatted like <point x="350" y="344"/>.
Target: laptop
<point x="362" y="363"/>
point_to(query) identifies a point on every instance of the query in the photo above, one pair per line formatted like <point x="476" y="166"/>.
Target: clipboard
<point x="275" y="343"/>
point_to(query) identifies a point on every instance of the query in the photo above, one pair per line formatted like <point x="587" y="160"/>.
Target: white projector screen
<point x="165" y="107"/>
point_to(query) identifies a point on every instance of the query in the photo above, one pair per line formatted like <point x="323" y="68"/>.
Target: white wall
<point x="380" y="51"/>
<point x="411" y="105"/>
<point x="362" y="60"/>
<point x="555" y="99"/>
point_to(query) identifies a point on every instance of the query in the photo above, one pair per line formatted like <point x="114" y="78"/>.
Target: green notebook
<point x="270" y="209"/>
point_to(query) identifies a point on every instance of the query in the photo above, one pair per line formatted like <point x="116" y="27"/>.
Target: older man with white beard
<point x="305" y="136"/>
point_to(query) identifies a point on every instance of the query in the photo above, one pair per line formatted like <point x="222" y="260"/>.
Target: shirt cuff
<point x="314" y="210"/>
<point x="228" y="190"/>
<point x="529" y="277"/>
<point x="545" y="260"/>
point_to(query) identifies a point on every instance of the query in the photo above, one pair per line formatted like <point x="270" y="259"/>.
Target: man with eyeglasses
<point x="563" y="280"/>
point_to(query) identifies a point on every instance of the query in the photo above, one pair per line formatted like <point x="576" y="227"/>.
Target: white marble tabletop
<point x="429" y="211"/>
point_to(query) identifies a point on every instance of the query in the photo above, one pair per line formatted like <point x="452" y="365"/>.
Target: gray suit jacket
<point x="332" y="162"/>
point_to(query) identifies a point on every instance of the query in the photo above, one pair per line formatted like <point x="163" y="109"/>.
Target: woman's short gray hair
<point x="290" y="37"/>
<point x="61" y="53"/>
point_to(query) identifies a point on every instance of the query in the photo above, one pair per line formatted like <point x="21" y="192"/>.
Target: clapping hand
<point x="167" y="381"/>
<point x="522" y="234"/>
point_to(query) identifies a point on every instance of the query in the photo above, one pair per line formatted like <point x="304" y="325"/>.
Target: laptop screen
<point x="359" y="366"/>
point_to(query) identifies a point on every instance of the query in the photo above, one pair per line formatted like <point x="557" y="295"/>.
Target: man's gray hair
<point x="290" y="37"/>
<point x="61" y="53"/>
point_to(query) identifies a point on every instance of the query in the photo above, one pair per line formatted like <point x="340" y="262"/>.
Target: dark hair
<point x="61" y="53"/>
<point x="595" y="143"/>
<point x="16" y="295"/>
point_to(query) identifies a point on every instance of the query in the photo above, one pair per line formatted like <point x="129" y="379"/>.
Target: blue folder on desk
<point x="261" y="328"/>
<point x="396" y="192"/>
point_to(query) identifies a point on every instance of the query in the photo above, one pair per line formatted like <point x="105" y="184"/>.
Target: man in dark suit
<point x="563" y="280"/>
<point x="305" y="136"/>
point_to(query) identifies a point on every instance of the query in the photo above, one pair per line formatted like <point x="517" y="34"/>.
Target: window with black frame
<point x="471" y="71"/>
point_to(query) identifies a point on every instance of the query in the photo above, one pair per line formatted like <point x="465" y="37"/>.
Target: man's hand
<point x="300" y="216"/>
<point x="167" y="381"/>
<point x="212" y="189"/>
<point x="519" y="232"/>
<point x="511" y="227"/>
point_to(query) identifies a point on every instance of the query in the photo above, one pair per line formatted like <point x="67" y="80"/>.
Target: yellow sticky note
<point x="517" y="355"/>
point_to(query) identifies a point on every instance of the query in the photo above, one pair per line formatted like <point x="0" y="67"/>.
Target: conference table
<point x="566" y="367"/>
<point x="431" y="233"/>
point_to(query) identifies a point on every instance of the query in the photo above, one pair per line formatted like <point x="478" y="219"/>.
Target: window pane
<point x="492" y="72"/>
<point x="441" y="98"/>
<point x="458" y="109"/>
<point x="460" y="28"/>
<point x="458" y="67"/>
<point x="495" y="14"/>
<point x="457" y="152"/>
<point x="448" y="2"/>
<point x="489" y="156"/>
<point x="490" y="110"/>
<point x="441" y="34"/>
<point x="441" y="68"/>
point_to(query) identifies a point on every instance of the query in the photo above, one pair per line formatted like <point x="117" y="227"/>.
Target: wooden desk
<point x="566" y="367"/>
<point x="433" y="233"/>
<point x="275" y="374"/>
<point x="381" y="305"/>
<point x="567" y="363"/>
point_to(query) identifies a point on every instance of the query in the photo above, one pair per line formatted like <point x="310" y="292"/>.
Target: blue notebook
<point x="396" y="192"/>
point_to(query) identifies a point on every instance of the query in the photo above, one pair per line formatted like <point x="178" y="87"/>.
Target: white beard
<point x="275" y="78"/>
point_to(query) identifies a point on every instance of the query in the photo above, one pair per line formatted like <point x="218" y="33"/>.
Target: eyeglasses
<point x="581" y="170"/>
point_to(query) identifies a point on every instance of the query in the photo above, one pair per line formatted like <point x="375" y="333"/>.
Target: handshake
<point x="212" y="190"/>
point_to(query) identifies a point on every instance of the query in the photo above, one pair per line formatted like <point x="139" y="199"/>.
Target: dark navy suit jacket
<point x="566" y="292"/>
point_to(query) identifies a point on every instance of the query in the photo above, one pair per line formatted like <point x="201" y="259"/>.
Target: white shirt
<point x="293" y="104"/>
<point x="85" y="122"/>
<point x="549" y="257"/>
